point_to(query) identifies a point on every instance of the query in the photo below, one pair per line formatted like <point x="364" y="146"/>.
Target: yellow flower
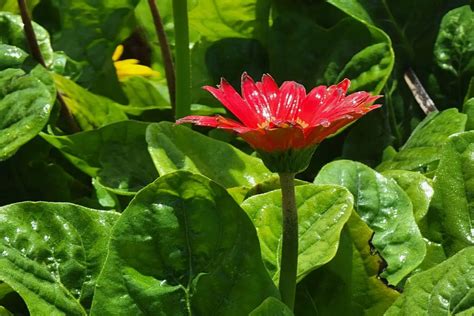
<point x="130" y="67"/>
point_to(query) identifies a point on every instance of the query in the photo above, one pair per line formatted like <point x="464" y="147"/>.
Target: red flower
<point x="276" y="119"/>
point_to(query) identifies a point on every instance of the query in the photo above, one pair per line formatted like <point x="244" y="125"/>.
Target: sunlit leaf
<point x="52" y="253"/>
<point x="182" y="246"/>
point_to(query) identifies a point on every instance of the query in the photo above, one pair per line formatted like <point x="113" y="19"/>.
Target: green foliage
<point x="175" y="148"/>
<point x="11" y="27"/>
<point x="182" y="246"/>
<point x="349" y="283"/>
<point x="421" y="152"/>
<point x="454" y="52"/>
<point x="449" y="220"/>
<point x="443" y="290"/>
<point x="89" y="32"/>
<point x="25" y="105"/>
<point x="387" y="210"/>
<point x="52" y="254"/>
<point x="116" y="154"/>
<point x="90" y="110"/>
<point x="418" y="188"/>
<point x="271" y="307"/>
<point x="322" y="212"/>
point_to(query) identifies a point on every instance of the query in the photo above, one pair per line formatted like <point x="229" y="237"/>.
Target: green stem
<point x="182" y="58"/>
<point x="289" y="252"/>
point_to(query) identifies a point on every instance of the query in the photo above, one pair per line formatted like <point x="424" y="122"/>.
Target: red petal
<point x="270" y="90"/>
<point x="257" y="100"/>
<point x="214" y="121"/>
<point x="291" y="96"/>
<point x="311" y="103"/>
<point x="234" y="103"/>
<point x="316" y="134"/>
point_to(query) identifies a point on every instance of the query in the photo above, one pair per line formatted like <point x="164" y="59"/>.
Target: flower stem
<point x="182" y="58"/>
<point x="289" y="252"/>
<point x="35" y="51"/>
<point x="165" y="52"/>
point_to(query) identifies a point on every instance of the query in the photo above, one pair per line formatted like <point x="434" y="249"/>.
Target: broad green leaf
<point x="454" y="52"/>
<point x="11" y="33"/>
<point x="90" y="110"/>
<point x="272" y="307"/>
<point x="445" y="289"/>
<point x="418" y="188"/>
<point x="174" y="147"/>
<point x="349" y="284"/>
<point x="183" y="246"/>
<point x="215" y="20"/>
<point x="434" y="255"/>
<point x="116" y="154"/>
<point x="436" y="129"/>
<point x="4" y="312"/>
<point x="406" y="22"/>
<point x="268" y="185"/>
<point x="386" y="209"/>
<point x="89" y="32"/>
<point x="52" y="254"/>
<point x="421" y="152"/>
<point x="322" y="212"/>
<point x="450" y="218"/>
<point x="25" y="104"/>
<point x="11" y="56"/>
<point x="145" y="93"/>
<point x="369" y="69"/>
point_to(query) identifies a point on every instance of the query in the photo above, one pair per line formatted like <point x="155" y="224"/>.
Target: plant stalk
<point x="35" y="51"/>
<point x="289" y="252"/>
<point x="182" y="58"/>
<point x="30" y="33"/>
<point x="165" y="53"/>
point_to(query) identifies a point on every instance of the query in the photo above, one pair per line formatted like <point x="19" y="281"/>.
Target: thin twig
<point x="165" y="53"/>
<point x="419" y="92"/>
<point x="30" y="34"/>
<point x="66" y="115"/>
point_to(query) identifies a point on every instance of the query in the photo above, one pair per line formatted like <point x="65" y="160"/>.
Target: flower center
<point x="282" y="124"/>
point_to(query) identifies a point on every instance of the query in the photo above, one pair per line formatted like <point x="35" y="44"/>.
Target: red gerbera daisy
<point x="279" y="119"/>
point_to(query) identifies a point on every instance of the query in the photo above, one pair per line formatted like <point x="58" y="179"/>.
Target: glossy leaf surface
<point x="322" y="212"/>
<point x="11" y="27"/>
<point x="175" y="148"/>
<point x="91" y="111"/>
<point x="25" y="104"/>
<point x="116" y="154"/>
<point x="418" y="188"/>
<point x="349" y="283"/>
<point x="182" y="246"/>
<point x="450" y="217"/>
<point x="52" y="253"/>
<point x="443" y="290"/>
<point x="386" y="209"/>
<point x="421" y="151"/>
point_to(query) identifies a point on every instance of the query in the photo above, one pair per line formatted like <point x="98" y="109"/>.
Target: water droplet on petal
<point x="325" y="122"/>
